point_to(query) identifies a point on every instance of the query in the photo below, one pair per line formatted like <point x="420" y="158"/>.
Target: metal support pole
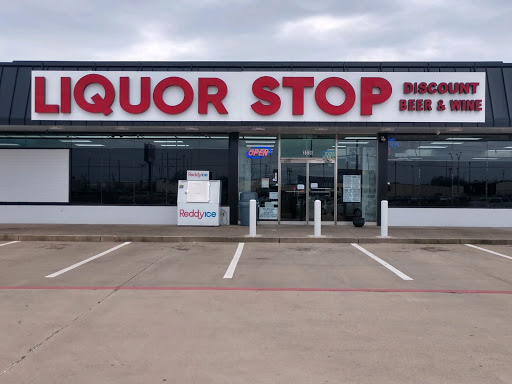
<point x="384" y="218"/>
<point x="252" y="218"/>
<point x="318" y="218"/>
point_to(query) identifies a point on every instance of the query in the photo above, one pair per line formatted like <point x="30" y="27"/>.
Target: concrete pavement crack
<point x="41" y="344"/>
<point x="114" y="290"/>
<point x="141" y="271"/>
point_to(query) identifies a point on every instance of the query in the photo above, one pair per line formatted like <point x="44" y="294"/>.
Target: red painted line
<point x="57" y="288"/>
<point x="100" y="288"/>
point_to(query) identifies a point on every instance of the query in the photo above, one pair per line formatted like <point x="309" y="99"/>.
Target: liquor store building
<point x="107" y="142"/>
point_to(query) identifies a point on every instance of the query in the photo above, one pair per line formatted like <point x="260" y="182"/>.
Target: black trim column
<point x="382" y="171"/>
<point x="233" y="178"/>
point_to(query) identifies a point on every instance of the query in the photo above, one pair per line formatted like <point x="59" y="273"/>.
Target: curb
<point x="141" y="239"/>
<point x="85" y="238"/>
<point x="247" y="239"/>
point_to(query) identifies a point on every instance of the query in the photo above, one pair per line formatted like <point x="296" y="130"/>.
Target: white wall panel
<point x="73" y="214"/>
<point x="449" y="217"/>
<point x="34" y="175"/>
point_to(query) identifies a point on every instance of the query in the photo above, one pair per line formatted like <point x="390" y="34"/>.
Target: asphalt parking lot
<point x="126" y="312"/>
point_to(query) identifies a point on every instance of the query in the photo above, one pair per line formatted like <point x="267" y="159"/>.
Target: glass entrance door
<point x="321" y="187"/>
<point x="293" y="191"/>
<point x="304" y="181"/>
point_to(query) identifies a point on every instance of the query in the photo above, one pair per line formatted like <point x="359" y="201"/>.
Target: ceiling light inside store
<point x="75" y="141"/>
<point x="260" y="141"/>
<point x="167" y="141"/>
<point x="190" y="137"/>
<point x="485" y="158"/>
<point x="444" y="142"/>
<point x="353" y="142"/>
<point x="499" y="150"/>
<point x="90" y="145"/>
<point x="431" y="147"/>
<point x="259" y="145"/>
<point x="258" y="137"/>
<point x="10" y="144"/>
<point x="175" y="145"/>
<point x="360" y="138"/>
<point x="463" y="138"/>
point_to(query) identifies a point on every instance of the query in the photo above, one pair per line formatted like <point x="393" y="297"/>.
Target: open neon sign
<point x="258" y="152"/>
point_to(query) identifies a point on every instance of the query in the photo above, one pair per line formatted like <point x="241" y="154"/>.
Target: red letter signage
<point x="99" y="104"/>
<point x="368" y="98"/>
<point x="325" y="105"/>
<point x="40" y="98"/>
<point x="158" y="95"/>
<point x="124" y="95"/>
<point x="262" y="94"/>
<point x="214" y="98"/>
<point x="298" y="84"/>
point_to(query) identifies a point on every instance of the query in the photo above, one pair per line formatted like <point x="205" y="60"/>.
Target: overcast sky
<point x="270" y="30"/>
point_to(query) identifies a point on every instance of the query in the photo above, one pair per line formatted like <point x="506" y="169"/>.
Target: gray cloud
<point x="257" y="30"/>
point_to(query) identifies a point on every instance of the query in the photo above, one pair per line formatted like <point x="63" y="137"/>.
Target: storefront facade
<point x="96" y="143"/>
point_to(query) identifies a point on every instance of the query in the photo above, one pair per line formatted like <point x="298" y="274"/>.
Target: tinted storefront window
<point x="144" y="170"/>
<point x="442" y="171"/>
<point x="357" y="160"/>
<point x="131" y="170"/>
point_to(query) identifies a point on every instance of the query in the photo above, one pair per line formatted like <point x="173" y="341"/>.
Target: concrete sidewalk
<point x="265" y="233"/>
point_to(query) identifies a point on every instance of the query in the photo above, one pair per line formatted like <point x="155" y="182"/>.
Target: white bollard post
<point x="318" y="218"/>
<point x="252" y="218"/>
<point x="384" y="218"/>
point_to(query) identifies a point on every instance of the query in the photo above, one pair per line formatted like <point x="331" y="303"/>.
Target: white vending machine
<point x="199" y="200"/>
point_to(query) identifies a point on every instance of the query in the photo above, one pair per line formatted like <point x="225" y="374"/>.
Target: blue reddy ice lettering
<point x="197" y="213"/>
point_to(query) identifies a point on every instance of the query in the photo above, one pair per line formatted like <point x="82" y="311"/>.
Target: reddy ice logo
<point x="198" y="175"/>
<point x="197" y="214"/>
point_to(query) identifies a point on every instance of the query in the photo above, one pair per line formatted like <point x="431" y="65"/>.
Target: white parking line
<point x="12" y="242"/>
<point x="488" y="250"/>
<point x="87" y="260"/>
<point x="232" y="266"/>
<point x="402" y="275"/>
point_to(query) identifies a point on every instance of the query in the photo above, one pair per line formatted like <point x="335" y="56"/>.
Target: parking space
<point x="329" y="266"/>
<point x="113" y="269"/>
<point x="46" y="264"/>
<point x="448" y="267"/>
<point x="27" y="263"/>
<point x="256" y="265"/>
<point x="188" y="265"/>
